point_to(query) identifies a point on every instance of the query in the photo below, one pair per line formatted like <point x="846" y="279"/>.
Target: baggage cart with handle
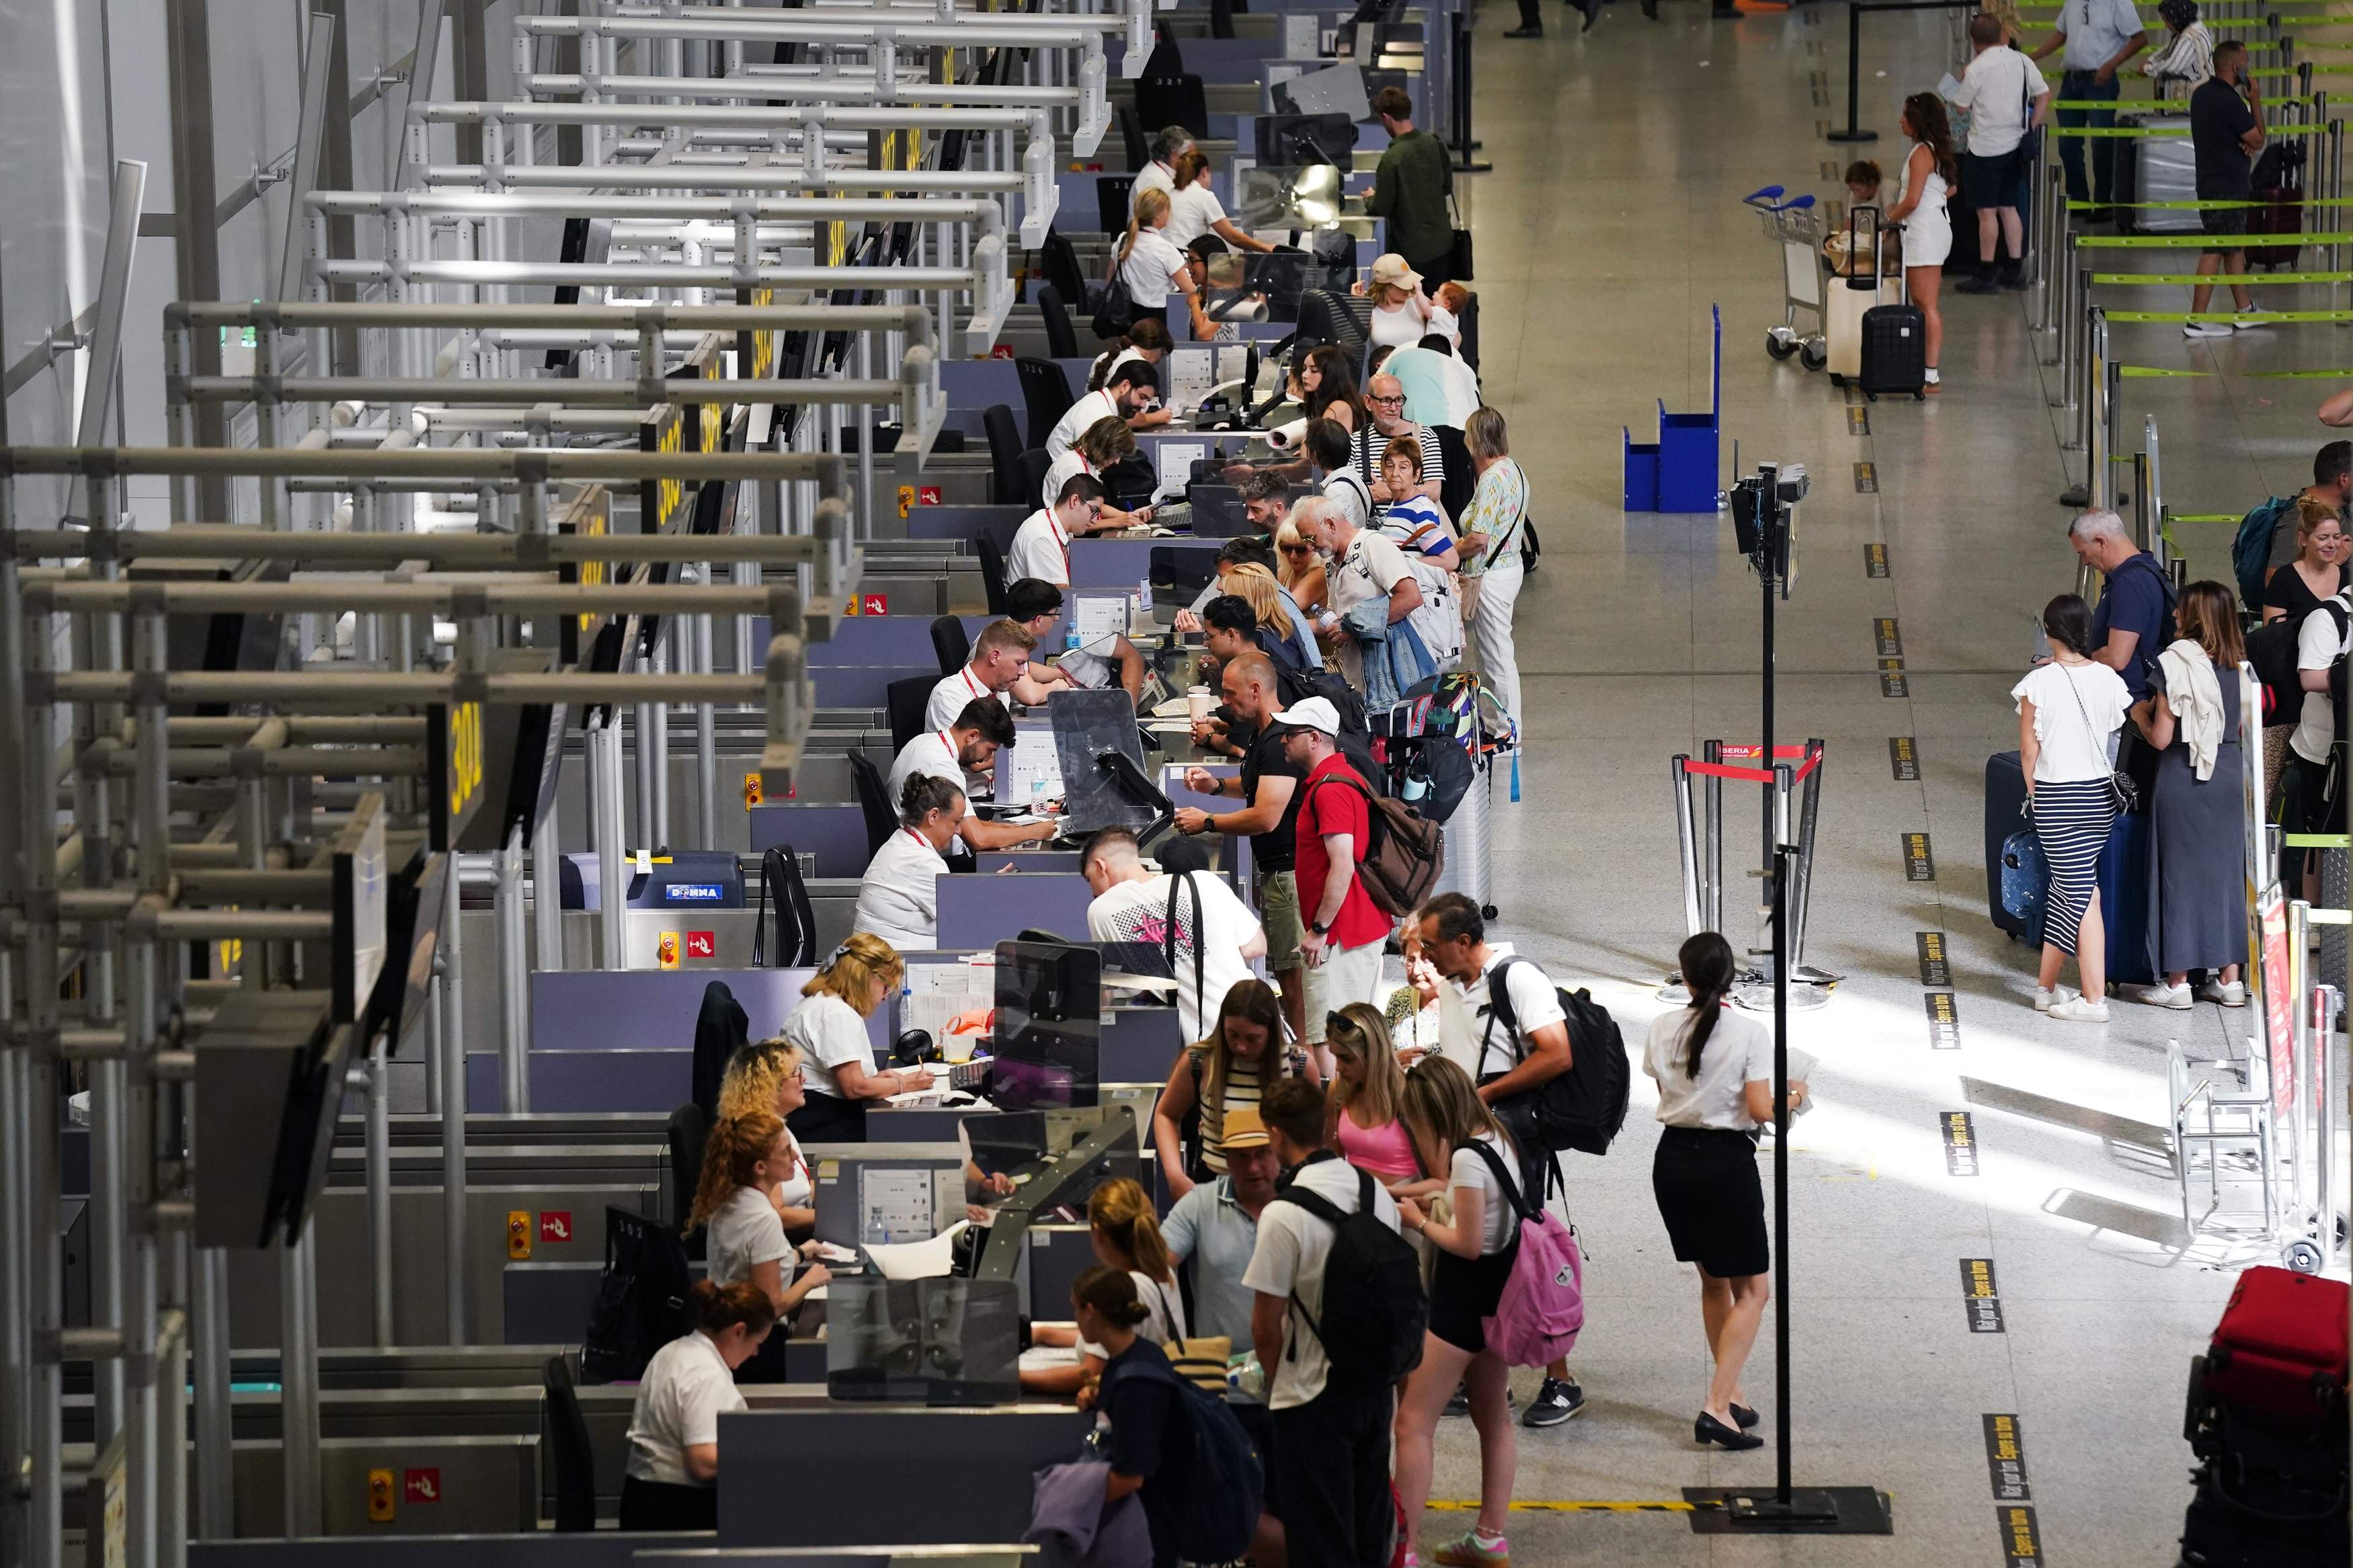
<point x="1796" y="231"/>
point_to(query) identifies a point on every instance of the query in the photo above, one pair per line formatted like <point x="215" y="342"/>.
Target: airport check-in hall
<point x="1153" y="781"/>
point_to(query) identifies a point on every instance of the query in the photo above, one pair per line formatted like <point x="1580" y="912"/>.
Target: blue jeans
<point x="2076" y="85"/>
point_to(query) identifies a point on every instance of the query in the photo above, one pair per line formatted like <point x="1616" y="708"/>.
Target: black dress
<point x="2197" y="916"/>
<point x="2287" y="591"/>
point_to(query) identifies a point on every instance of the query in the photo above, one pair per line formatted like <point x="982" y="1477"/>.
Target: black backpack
<point x="2272" y="649"/>
<point x="1297" y="685"/>
<point x="642" y="1302"/>
<point x="1583" y="1108"/>
<point x="1215" y="1480"/>
<point x="1374" y="1309"/>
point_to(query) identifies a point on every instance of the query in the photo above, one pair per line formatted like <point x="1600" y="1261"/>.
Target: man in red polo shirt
<point x="1344" y="929"/>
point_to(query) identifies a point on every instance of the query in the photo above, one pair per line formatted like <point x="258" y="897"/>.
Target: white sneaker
<point x="2174" y="997"/>
<point x="2205" y="328"/>
<point x="2243" y="323"/>
<point x="2046" y="1000"/>
<point x="2235" y="994"/>
<point x="2079" y="1010"/>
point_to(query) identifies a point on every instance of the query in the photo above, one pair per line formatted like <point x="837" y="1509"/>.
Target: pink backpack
<point x="1542" y="1308"/>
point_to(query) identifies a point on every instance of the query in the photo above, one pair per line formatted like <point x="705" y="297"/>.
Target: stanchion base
<point x="1852" y="136"/>
<point x="1811" y="1511"/>
<point x="1472" y="166"/>
<point x="1757" y="997"/>
<point x="2075" y="495"/>
<point x="1675" y="994"/>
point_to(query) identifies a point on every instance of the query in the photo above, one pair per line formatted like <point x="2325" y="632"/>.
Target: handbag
<point x="1460" y="265"/>
<point x="2124" y="794"/>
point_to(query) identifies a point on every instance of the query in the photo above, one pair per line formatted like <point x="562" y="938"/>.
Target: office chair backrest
<point x="1172" y="98"/>
<point x="1005" y="444"/>
<point x="951" y="643"/>
<point x="689" y="1130"/>
<point x="1034" y="465"/>
<point x="1048" y="392"/>
<point x="1062" y="342"/>
<point x="992" y="568"/>
<point x="882" y="813"/>
<point x="1064" y="271"/>
<point x="573" y="1461"/>
<point x="1114" y="197"/>
<point x="904" y="701"/>
<point x="1131" y="134"/>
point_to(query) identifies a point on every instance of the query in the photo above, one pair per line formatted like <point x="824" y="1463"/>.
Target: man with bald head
<point x="1269" y="785"/>
<point x="1385" y="396"/>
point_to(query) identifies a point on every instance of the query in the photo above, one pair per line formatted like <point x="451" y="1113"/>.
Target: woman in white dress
<point x="1930" y="172"/>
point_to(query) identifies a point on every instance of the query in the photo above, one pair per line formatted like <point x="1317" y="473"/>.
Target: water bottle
<point x="875" y="1234"/>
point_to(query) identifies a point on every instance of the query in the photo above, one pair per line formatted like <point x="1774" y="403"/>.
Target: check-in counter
<point x="603" y="1549"/>
<point x="854" y="1467"/>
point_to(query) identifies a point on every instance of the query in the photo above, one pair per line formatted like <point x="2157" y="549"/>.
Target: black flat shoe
<point x="1708" y="1430"/>
<point x="1745" y="1416"/>
<point x="1523" y="33"/>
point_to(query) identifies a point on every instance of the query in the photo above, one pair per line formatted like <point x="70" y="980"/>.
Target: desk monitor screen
<point x="1049" y="1025"/>
<point x="1004" y="1142"/>
<point x="942" y="1342"/>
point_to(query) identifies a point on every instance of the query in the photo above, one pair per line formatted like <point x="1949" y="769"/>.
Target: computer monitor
<point x="1005" y="1141"/>
<point x="1048" y="1026"/>
<point x="1336" y="89"/>
<point x="1290" y="141"/>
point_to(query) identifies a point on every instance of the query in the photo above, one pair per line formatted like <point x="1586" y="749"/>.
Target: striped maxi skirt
<point x="2072" y="821"/>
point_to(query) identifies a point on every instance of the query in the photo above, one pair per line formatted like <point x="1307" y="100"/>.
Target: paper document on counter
<point x="933" y="1259"/>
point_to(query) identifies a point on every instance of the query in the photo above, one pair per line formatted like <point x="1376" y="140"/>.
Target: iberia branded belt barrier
<point x="1812" y="755"/>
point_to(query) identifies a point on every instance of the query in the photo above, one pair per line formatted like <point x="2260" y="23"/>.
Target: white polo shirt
<point x="1154" y="175"/>
<point x="829" y="1035"/>
<point x="1292" y="1248"/>
<point x="745" y="1234"/>
<point x="952" y="695"/>
<point x="898" y="899"/>
<point x="932" y="755"/>
<point x="685" y="1389"/>
<point x="1075" y="420"/>
<point x="1041" y="550"/>
<point x="1192" y="213"/>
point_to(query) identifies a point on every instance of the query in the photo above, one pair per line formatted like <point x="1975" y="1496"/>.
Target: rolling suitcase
<point x="2156" y="169"/>
<point x="2121" y="873"/>
<point x="2278" y="183"/>
<point x="2005" y="817"/>
<point x="1895" y="350"/>
<point x="2280" y="1348"/>
<point x="1853" y="292"/>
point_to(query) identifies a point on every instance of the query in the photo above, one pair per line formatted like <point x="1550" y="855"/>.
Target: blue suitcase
<point x="2123" y="875"/>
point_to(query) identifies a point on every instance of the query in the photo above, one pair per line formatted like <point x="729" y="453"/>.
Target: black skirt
<point x="1709" y="1194"/>
<point x="665" y="1506"/>
<point x="829" y="1119"/>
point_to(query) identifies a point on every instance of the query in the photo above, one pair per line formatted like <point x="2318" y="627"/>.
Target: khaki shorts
<point x="1278" y="912"/>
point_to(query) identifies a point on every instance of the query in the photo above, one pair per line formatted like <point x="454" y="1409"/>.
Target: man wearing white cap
<point x="1344" y="929"/>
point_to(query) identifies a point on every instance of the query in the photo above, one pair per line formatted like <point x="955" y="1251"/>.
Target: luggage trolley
<point x="1796" y="229"/>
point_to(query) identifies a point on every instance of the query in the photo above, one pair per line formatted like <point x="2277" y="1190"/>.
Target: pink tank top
<point x="1385" y="1150"/>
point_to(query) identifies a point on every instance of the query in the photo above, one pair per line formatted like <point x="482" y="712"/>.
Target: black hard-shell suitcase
<point x="2278" y="183"/>
<point x="2005" y="797"/>
<point x="1894" y="349"/>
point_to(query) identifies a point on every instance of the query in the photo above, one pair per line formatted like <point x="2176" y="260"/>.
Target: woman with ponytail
<point x="746" y="1158"/>
<point x="1714" y="1072"/>
<point x="1147" y="1434"/>
<point x="1930" y="172"/>
<point x="1152" y="267"/>
<point x="670" y="1480"/>
<point x="1127" y="1239"/>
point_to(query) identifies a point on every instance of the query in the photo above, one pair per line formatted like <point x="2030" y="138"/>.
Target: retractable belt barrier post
<point x="1853" y="131"/>
<point x="1701" y="829"/>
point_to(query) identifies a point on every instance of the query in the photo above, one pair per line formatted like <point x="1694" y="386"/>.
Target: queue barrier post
<point x="1713" y="792"/>
<point x="1700" y="838"/>
<point x="1686" y="846"/>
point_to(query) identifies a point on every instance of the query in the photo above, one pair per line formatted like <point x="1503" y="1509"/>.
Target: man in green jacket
<point x="1410" y="191"/>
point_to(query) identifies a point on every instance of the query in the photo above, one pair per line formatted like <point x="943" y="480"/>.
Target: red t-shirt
<point x="1333" y="809"/>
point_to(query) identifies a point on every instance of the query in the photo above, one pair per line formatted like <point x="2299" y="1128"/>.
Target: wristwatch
<point x="1320" y="928"/>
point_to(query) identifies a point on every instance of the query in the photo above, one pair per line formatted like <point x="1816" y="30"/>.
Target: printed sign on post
<point x="2279" y="998"/>
<point x="556" y="1224"/>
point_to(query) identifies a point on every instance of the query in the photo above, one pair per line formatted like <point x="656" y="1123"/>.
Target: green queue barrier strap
<point x="2187" y="241"/>
<point x="2269" y="318"/>
<point x="2156" y="372"/>
<point x="2330" y="917"/>
<point x="2130" y="132"/>
<point x="2218" y="203"/>
<point x="2204" y="517"/>
<point x="2145" y="105"/>
<point x="2319" y="841"/>
<point x="2190" y="279"/>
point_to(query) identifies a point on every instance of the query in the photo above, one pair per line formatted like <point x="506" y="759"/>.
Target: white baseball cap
<point x="1315" y="713"/>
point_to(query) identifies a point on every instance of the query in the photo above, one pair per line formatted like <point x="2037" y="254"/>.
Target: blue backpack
<point x="1217" y="1482"/>
<point x="2250" y="548"/>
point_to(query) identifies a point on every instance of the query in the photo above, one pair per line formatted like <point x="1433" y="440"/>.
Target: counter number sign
<point x="465" y="752"/>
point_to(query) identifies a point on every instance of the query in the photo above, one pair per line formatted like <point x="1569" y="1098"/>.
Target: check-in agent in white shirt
<point x="670" y="1479"/>
<point x="898" y="899"/>
<point x="1000" y="657"/>
<point x="1128" y="391"/>
<point x="958" y="754"/>
<point x="1041" y="547"/>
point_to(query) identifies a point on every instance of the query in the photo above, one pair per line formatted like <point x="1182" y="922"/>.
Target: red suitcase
<point x="2280" y="1349"/>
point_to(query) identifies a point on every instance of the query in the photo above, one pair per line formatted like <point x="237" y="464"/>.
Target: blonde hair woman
<point x="1366" y="1113"/>
<point x="766" y="1076"/>
<point x="1126" y="1234"/>
<point x="1152" y="267"/>
<point x="1300" y="568"/>
<point x="828" y="1029"/>
<point x="1456" y="1133"/>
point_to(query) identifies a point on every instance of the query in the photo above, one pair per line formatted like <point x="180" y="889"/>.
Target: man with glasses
<point x="1385" y="396"/>
<point x="1041" y="547"/>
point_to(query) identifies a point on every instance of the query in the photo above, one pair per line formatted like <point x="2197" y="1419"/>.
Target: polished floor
<point x="1609" y="225"/>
